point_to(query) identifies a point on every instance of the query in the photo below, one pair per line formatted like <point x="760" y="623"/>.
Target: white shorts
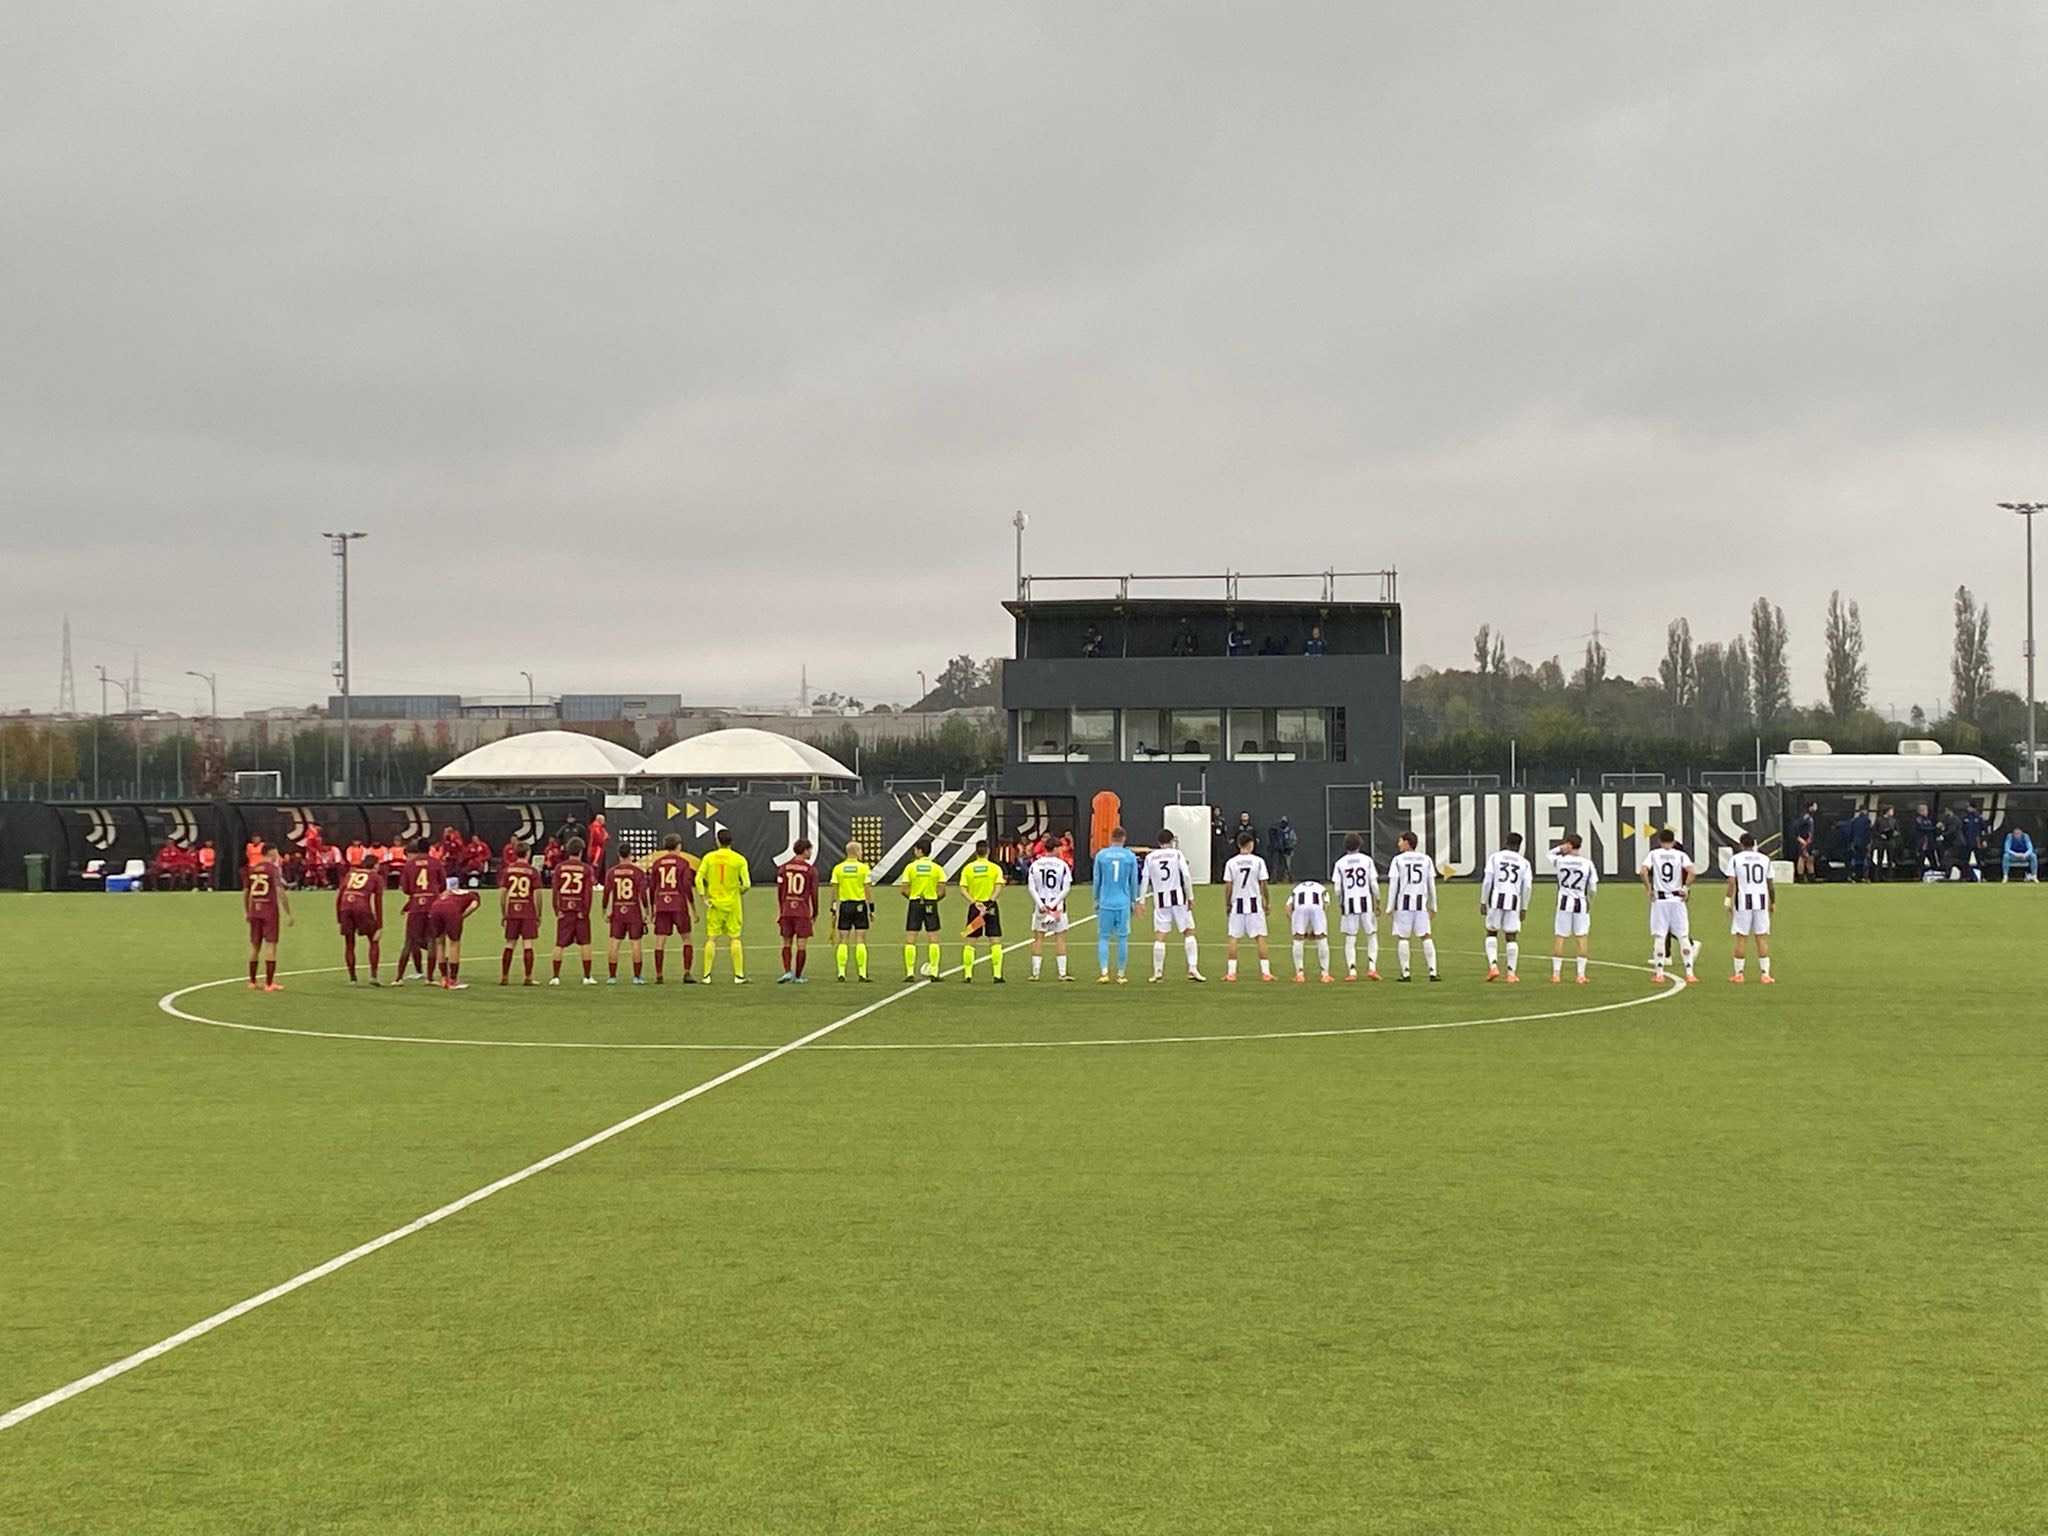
<point x="1247" y="925"/>
<point x="1574" y="925"/>
<point x="1504" y="919"/>
<point x="1049" y="921"/>
<point x="1411" y="925"/>
<point x="1360" y="922"/>
<point x="1311" y="923"/>
<point x="1173" y="919"/>
<point x="1756" y="920"/>
<point x="1670" y="916"/>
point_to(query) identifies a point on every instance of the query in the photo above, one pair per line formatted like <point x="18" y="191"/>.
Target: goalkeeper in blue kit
<point x="1116" y="892"/>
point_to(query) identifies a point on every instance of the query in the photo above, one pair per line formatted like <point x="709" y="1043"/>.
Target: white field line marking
<point x="168" y="1004"/>
<point x="204" y="1326"/>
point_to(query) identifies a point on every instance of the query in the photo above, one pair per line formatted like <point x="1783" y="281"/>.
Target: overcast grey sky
<point x="620" y="325"/>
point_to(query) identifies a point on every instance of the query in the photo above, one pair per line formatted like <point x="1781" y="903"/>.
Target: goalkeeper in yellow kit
<point x="980" y="879"/>
<point x="722" y="879"/>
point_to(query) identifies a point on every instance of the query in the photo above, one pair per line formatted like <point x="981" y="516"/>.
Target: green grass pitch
<point x="1732" y="1260"/>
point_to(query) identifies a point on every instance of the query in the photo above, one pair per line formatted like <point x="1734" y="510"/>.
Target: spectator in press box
<point x="1092" y="643"/>
<point x="1315" y="644"/>
<point x="1239" y="641"/>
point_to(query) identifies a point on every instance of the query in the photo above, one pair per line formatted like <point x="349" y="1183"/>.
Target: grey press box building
<point x="1273" y="695"/>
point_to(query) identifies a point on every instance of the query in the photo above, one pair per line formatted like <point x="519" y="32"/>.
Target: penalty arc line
<point x="199" y="1330"/>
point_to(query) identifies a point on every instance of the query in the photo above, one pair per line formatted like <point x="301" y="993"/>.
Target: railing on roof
<point x="1231" y="582"/>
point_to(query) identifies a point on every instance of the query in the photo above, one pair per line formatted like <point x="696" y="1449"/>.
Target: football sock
<point x="269" y="972"/>
<point x="558" y="967"/>
<point x="1061" y="962"/>
<point x="1514" y="953"/>
<point x="1763" y="964"/>
<point x="1299" y="946"/>
<point x="739" y="959"/>
<point x="660" y="961"/>
<point x="801" y="956"/>
<point x="505" y="965"/>
<point x="1429" y="955"/>
<point x="910" y="959"/>
<point x="995" y="959"/>
<point x="1323" y="955"/>
<point x="376" y="950"/>
<point x="1492" y="950"/>
<point x="1401" y="953"/>
<point x="1036" y="961"/>
<point x="1101" y="949"/>
<point x="839" y="954"/>
<point x="612" y="967"/>
<point x="967" y="960"/>
<point x="689" y="958"/>
<point x="636" y="969"/>
<point x="252" y="973"/>
<point x="932" y="954"/>
<point x="860" y="960"/>
<point x="1582" y="967"/>
<point x="1372" y="951"/>
<point x="1350" y="951"/>
<point x="1741" y="964"/>
<point x="1194" y="952"/>
<point x="1159" y="957"/>
<point x="1265" y="966"/>
<point x="1123" y="954"/>
<point x="785" y="957"/>
<point x="1230" y="968"/>
<point x="348" y="950"/>
<point x="586" y="965"/>
<point x="526" y="956"/>
<point x="454" y="970"/>
<point x="1556" y="967"/>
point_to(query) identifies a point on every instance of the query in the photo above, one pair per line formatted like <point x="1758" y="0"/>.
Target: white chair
<point x="95" y="869"/>
<point x="136" y="869"/>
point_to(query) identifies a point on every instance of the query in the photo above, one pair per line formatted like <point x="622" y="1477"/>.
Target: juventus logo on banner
<point x="181" y="825"/>
<point x="1618" y="826"/>
<point x="100" y="831"/>
<point x="532" y="825"/>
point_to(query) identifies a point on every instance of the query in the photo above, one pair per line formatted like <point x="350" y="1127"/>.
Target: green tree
<point x="1969" y="667"/>
<point x="1848" y="679"/>
<point x="1770" y="674"/>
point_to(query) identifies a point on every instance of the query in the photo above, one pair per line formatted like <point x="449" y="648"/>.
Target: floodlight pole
<point x="1020" y="522"/>
<point x="340" y="543"/>
<point x="2027" y="510"/>
<point x="529" y="687"/>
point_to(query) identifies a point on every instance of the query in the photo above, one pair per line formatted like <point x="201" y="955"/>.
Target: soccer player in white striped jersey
<point x="1503" y="898"/>
<point x="1577" y="879"/>
<point x="1752" y="898"/>
<point x="1167" y="882"/>
<point x="1357" y="880"/>
<point x="1667" y="876"/>
<point x="1411" y="897"/>
<point x="1244" y="882"/>
<point x="1049" y="880"/>
<point x="1309" y="920"/>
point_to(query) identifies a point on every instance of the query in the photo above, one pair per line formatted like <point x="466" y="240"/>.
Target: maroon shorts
<point x="796" y="927"/>
<point x="263" y="927"/>
<point x="416" y="933"/>
<point x="628" y="922"/>
<point x="666" y="923"/>
<point x="527" y="927"/>
<point x="446" y="925"/>
<point x="571" y="928"/>
<point x="357" y="921"/>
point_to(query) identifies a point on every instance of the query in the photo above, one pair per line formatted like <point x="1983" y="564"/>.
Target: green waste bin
<point x="35" y="869"/>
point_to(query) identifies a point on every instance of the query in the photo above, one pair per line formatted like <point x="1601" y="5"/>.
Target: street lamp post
<point x="2027" y="509"/>
<point x="529" y="688"/>
<point x="212" y="681"/>
<point x="340" y="543"/>
<point x="1020" y="522"/>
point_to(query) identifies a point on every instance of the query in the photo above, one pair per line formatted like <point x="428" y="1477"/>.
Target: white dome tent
<point x="734" y="757"/>
<point x="541" y="760"/>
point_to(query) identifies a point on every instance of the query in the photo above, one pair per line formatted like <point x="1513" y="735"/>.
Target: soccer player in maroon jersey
<point x="673" y="879"/>
<point x="519" y="899"/>
<point x="359" y="910"/>
<point x="444" y="926"/>
<point x="796" y="903"/>
<point x="574" y="882"/>
<point x="625" y="898"/>
<point x="263" y="898"/>
<point x="421" y="880"/>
